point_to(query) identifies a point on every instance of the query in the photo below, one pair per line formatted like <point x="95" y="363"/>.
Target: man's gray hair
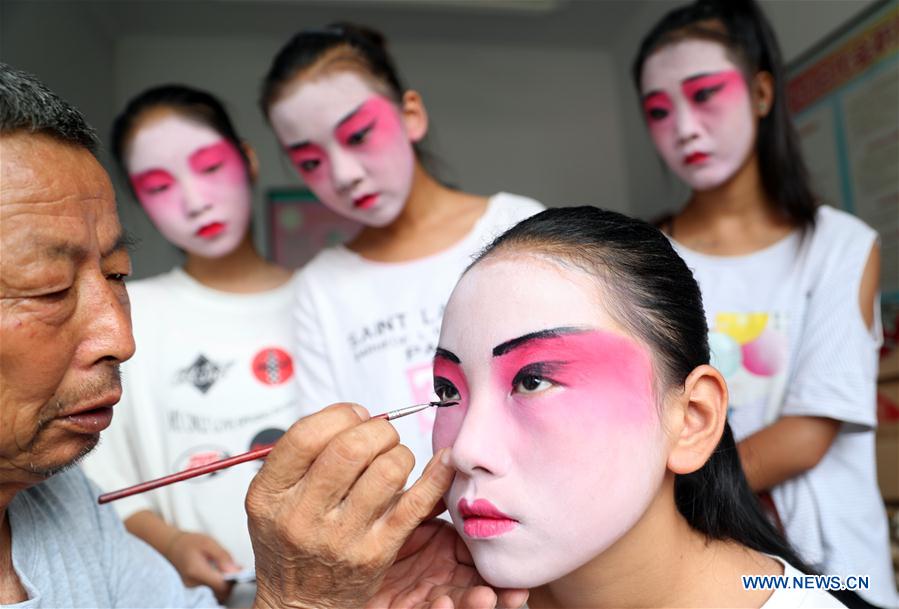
<point x="26" y="104"/>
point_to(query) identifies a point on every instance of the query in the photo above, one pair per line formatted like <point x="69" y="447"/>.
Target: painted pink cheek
<point x="382" y="117"/>
<point x="448" y="421"/>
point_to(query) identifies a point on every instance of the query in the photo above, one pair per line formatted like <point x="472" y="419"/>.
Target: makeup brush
<point x="252" y="455"/>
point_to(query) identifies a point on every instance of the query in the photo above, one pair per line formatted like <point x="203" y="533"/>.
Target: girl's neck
<point x="241" y="271"/>
<point x="434" y="218"/>
<point x="734" y="218"/>
<point x="660" y="562"/>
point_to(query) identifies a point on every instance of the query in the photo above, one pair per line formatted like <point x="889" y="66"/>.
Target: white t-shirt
<point x="367" y="331"/>
<point x="212" y="377"/>
<point x="786" y="332"/>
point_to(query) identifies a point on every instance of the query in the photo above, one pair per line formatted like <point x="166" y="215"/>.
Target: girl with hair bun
<point x="368" y="312"/>
<point x="595" y="465"/>
<point x="789" y="286"/>
<point x="213" y="375"/>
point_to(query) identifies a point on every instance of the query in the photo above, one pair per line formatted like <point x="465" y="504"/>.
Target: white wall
<point x="798" y="25"/>
<point x="67" y="49"/>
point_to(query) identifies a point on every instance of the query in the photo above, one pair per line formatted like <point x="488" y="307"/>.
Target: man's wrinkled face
<point x="66" y="321"/>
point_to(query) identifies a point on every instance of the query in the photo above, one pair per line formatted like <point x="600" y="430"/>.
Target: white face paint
<point x="193" y="184"/>
<point x="349" y="144"/>
<point x="556" y="437"/>
<point x="699" y="111"/>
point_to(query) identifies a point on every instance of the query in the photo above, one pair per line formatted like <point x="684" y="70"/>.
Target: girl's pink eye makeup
<point x="151" y="182"/>
<point x="702" y="89"/>
<point x="367" y="125"/>
<point x="449" y="382"/>
<point x="306" y="157"/>
<point x="211" y="158"/>
<point x="656" y="107"/>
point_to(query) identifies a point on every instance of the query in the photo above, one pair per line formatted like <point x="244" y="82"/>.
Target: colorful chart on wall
<point x="299" y="226"/>
<point x="844" y="95"/>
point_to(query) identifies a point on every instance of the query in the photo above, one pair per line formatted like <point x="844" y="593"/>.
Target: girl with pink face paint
<point x="594" y="461"/>
<point x="369" y="311"/>
<point x="214" y="377"/>
<point x="789" y="287"/>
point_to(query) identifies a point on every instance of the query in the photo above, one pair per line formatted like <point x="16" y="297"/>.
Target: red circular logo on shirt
<point x="272" y="366"/>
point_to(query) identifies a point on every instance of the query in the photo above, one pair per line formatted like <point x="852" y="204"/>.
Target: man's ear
<point x="762" y="93"/>
<point x="415" y="115"/>
<point x="696" y="420"/>
<point x="252" y="161"/>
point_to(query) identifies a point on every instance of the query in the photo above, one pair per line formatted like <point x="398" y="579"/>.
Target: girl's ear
<point x="696" y="420"/>
<point x="762" y="93"/>
<point x="252" y="161"/>
<point x="415" y="116"/>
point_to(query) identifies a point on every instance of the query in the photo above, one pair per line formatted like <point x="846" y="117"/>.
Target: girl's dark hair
<point x="657" y="301"/>
<point x="192" y="103"/>
<point x="749" y="38"/>
<point x="338" y="43"/>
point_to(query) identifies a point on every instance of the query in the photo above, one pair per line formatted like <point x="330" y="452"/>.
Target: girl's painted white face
<point x="349" y="144"/>
<point x="193" y="184"/>
<point x="556" y="439"/>
<point x="699" y="111"/>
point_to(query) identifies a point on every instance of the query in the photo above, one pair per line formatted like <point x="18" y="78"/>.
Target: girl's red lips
<point x="482" y="519"/>
<point x="695" y="157"/>
<point x="481" y="508"/>
<point x="365" y="201"/>
<point x="213" y="229"/>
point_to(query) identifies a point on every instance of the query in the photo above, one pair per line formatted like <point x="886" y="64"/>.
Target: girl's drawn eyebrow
<point x="305" y="143"/>
<point x="515" y="343"/>
<point x="446" y="354"/>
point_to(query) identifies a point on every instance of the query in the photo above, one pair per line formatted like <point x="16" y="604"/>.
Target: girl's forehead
<point x="166" y="138"/>
<point x="512" y="295"/>
<point x="672" y="63"/>
<point x="312" y="107"/>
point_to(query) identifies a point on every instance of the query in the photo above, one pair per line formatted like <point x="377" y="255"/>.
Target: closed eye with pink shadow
<point x="220" y="162"/>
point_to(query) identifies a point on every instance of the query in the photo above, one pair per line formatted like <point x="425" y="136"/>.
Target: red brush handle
<point x="193" y="472"/>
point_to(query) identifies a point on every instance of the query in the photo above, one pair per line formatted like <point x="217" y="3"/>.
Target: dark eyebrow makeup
<point x="349" y="115"/>
<point x="516" y="343"/>
<point x="448" y="355"/>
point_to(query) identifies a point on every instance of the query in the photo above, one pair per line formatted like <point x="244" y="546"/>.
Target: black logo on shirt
<point x="203" y="373"/>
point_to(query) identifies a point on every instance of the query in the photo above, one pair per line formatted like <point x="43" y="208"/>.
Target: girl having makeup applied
<point x="368" y="312"/>
<point x="789" y="287"/>
<point x="595" y="465"/>
<point x="213" y="377"/>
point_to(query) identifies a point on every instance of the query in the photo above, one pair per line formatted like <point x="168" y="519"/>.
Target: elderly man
<point x="330" y="524"/>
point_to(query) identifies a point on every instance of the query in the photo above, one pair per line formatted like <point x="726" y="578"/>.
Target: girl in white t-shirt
<point x="595" y="465"/>
<point x="789" y="288"/>
<point x="368" y="312"/>
<point x="213" y="374"/>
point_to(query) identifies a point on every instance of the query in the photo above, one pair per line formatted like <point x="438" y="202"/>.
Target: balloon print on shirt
<point x="751" y="351"/>
<point x="203" y="373"/>
<point x="272" y="366"/>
